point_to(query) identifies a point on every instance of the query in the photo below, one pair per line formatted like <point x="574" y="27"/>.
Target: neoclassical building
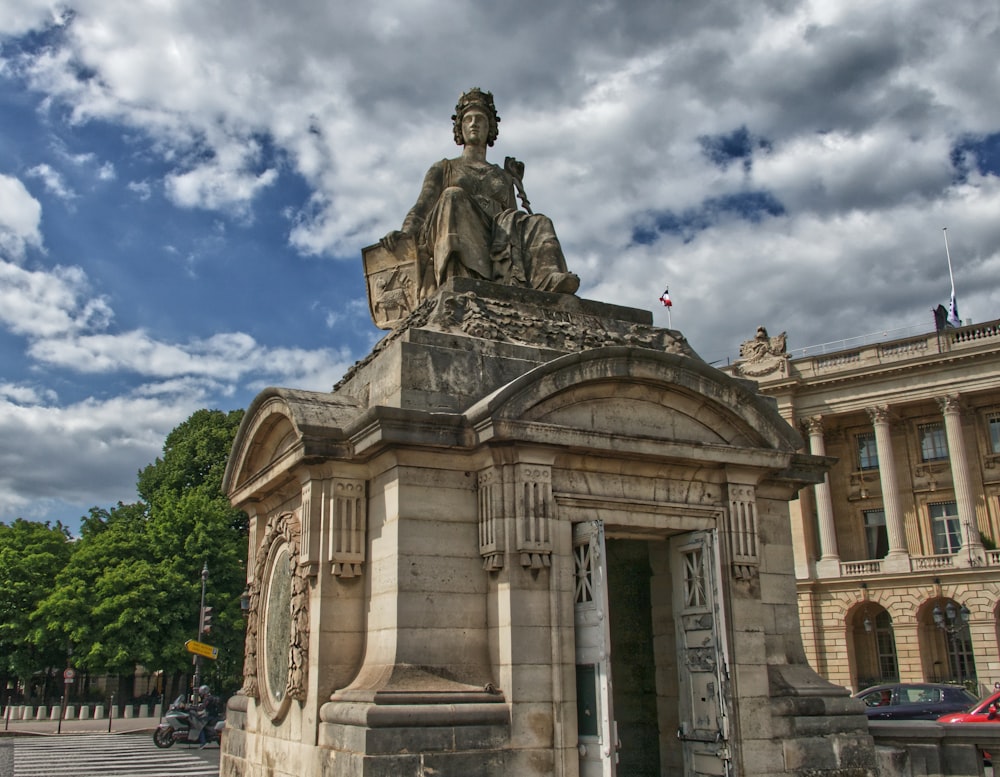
<point x="896" y="563"/>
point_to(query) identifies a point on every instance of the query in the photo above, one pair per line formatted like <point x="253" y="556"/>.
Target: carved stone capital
<point x="879" y="414"/>
<point x="950" y="403"/>
<point x="813" y="425"/>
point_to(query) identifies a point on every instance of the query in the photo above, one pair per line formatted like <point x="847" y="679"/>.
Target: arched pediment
<point x="281" y="427"/>
<point x="640" y="392"/>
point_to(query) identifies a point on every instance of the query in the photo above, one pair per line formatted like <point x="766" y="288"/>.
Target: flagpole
<point x="947" y="253"/>
<point x="953" y="318"/>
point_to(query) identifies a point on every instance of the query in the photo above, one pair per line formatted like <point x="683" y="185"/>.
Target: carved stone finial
<point x="763" y="355"/>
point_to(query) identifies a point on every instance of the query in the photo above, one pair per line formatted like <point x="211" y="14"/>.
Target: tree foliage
<point x="31" y="554"/>
<point x="130" y="591"/>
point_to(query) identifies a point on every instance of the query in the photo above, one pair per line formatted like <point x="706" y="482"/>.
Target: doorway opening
<point x="650" y="671"/>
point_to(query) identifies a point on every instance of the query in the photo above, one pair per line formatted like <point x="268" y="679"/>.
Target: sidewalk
<point x="90" y="726"/>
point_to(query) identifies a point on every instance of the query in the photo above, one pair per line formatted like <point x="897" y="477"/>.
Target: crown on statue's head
<point x="476" y="98"/>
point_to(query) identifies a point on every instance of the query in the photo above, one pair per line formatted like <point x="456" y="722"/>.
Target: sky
<point x="185" y="187"/>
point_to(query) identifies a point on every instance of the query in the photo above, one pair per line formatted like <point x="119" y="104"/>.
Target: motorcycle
<point x="182" y="724"/>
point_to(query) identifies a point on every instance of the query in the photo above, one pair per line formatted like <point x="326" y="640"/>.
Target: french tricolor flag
<point x="665" y="299"/>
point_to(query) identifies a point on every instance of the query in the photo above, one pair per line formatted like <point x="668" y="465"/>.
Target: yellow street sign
<point x="201" y="649"/>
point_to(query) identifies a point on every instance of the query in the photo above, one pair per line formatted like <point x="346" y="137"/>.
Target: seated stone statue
<point x="466" y="222"/>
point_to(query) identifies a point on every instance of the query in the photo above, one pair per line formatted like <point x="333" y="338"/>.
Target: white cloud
<point x="851" y="109"/>
<point x="53" y="181"/>
<point x="25" y="15"/>
<point x="44" y="304"/>
<point x="142" y="189"/>
<point x="90" y="449"/>
<point x="26" y="395"/>
<point x="216" y="187"/>
<point x="20" y="218"/>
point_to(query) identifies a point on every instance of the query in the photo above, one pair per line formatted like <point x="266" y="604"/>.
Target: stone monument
<point x="529" y="534"/>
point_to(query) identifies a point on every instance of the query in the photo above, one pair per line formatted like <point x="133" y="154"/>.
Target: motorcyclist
<point x="207" y="710"/>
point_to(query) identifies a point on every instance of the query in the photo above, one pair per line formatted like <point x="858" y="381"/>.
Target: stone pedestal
<point x="429" y="585"/>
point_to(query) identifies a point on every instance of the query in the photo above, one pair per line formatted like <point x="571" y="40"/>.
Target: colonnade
<point x="898" y="557"/>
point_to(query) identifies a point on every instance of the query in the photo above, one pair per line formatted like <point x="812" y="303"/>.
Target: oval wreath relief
<point x="275" y="659"/>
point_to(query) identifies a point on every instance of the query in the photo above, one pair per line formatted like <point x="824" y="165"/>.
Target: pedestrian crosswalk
<point x="106" y="755"/>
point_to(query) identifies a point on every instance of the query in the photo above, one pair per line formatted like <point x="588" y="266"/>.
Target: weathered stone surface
<point x="485" y="433"/>
<point x="466" y="223"/>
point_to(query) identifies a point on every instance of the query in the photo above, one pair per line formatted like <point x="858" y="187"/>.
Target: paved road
<point x="103" y="755"/>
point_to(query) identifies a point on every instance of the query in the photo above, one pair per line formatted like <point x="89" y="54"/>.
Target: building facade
<point x="896" y="558"/>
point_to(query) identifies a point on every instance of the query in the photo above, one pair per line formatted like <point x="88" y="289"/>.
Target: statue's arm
<point x="430" y="191"/>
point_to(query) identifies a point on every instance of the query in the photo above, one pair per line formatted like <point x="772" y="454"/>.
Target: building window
<point x="945" y="528"/>
<point x="584" y="573"/>
<point x="933" y="444"/>
<point x="885" y="641"/>
<point x="993" y="420"/>
<point x="876" y="534"/>
<point x="867" y="452"/>
<point x="694" y="579"/>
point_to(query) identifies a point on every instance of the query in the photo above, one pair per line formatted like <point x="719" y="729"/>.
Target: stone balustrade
<point x="925" y="748"/>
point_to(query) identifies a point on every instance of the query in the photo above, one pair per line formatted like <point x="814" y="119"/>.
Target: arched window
<point x="954" y="640"/>
<point x="875" y="659"/>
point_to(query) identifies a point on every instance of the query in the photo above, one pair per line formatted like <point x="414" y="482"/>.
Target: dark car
<point x="914" y="701"/>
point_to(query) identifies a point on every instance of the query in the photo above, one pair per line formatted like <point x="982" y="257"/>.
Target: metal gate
<point x="598" y="743"/>
<point x="703" y="667"/>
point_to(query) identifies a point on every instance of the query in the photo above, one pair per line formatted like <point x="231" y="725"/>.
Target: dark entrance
<point x="633" y="666"/>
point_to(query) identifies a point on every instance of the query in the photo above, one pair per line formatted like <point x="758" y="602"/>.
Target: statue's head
<point x="476" y="98"/>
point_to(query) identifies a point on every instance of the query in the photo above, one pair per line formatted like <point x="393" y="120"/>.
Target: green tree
<point x="31" y="555"/>
<point x="110" y="601"/>
<point x="131" y="591"/>
<point x="192" y="523"/>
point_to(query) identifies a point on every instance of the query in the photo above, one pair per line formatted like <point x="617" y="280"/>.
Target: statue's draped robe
<point x="467" y="224"/>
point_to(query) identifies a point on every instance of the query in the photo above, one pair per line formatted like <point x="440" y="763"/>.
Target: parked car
<point x="985" y="711"/>
<point x="914" y="701"/>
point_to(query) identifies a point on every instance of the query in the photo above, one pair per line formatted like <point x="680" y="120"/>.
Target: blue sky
<point x="185" y="187"/>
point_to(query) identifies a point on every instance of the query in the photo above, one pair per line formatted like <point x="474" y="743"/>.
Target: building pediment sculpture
<point x="466" y="223"/>
<point x="763" y="355"/>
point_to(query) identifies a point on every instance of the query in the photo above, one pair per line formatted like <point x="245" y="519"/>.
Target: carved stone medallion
<point x="276" y="654"/>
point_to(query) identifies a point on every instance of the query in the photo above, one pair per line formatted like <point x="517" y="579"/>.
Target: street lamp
<point x="201" y="626"/>
<point x="953" y="621"/>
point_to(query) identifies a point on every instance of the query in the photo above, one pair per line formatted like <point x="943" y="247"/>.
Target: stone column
<point x="972" y="553"/>
<point x="898" y="558"/>
<point x="829" y="561"/>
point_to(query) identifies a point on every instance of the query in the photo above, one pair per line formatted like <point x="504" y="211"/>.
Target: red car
<point x="985" y="711"/>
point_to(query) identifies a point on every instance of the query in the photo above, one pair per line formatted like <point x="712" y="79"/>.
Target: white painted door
<point x="598" y="743"/>
<point x="702" y="657"/>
